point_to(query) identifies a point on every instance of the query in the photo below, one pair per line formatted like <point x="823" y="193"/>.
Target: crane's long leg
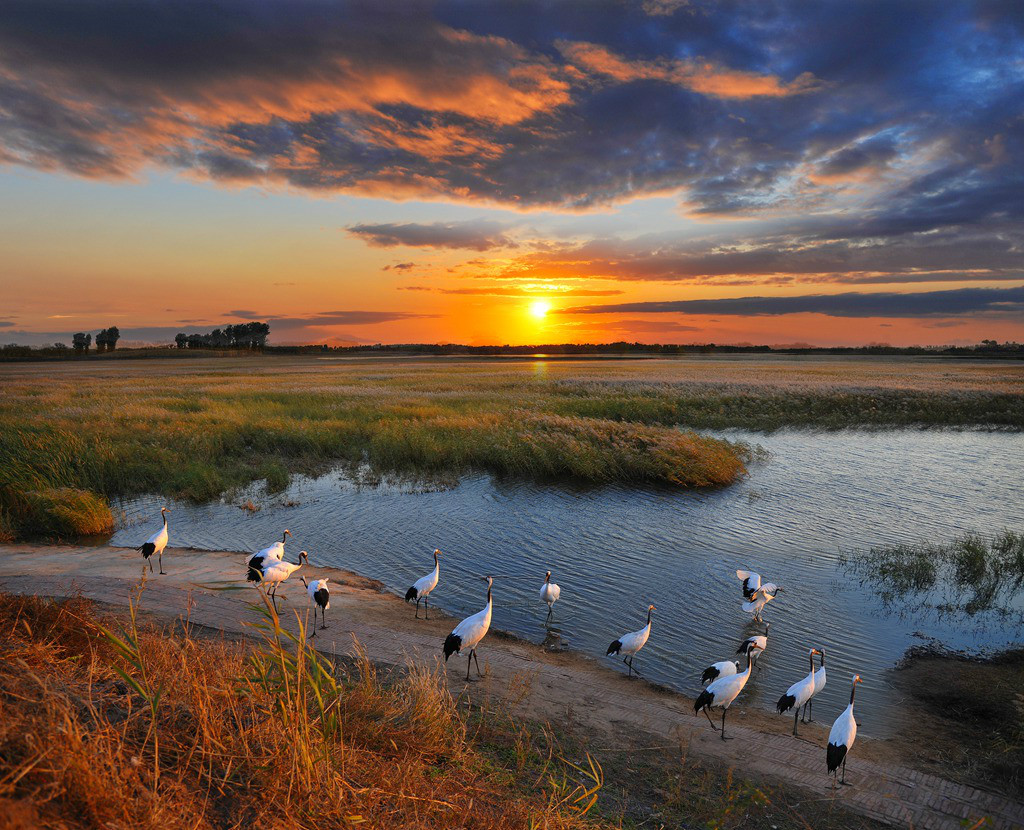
<point x="843" y="782"/>
<point x="723" y="726"/>
<point x="796" y="715"/>
<point x="150" y="560"/>
<point x="323" y="619"/>
<point x="707" y="714"/>
<point x="469" y="663"/>
<point x="629" y="662"/>
<point x="811" y="704"/>
<point x="477" y="660"/>
<point x="426" y="606"/>
<point x="160" y="556"/>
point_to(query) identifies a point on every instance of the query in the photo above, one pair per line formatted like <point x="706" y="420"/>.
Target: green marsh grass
<point x="969" y="575"/>
<point x="75" y="435"/>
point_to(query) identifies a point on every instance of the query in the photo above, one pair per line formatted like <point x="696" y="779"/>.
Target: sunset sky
<point x="483" y="172"/>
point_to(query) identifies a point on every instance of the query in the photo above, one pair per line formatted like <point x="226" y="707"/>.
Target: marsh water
<point x="616" y="549"/>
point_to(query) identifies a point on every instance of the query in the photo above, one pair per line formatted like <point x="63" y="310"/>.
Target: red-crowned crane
<point x="723" y="668"/>
<point x="262" y="558"/>
<point x="549" y="593"/>
<point x="799" y="693"/>
<point x="842" y="736"/>
<point x="721" y="694"/>
<point x="629" y="644"/>
<point x="319" y="597"/>
<point x="423" y="586"/>
<point x="274" y="573"/>
<point x="760" y="598"/>
<point x="819" y="684"/>
<point x="468" y="633"/>
<point x="156" y="543"/>
<point x="753" y="646"/>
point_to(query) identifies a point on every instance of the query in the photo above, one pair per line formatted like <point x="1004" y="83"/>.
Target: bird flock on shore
<point x="723" y="681"/>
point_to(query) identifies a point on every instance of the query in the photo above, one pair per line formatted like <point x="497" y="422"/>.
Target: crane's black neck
<point x="822" y="653"/>
<point x="812" y="662"/>
<point x="435" y="558"/>
<point x="488" y="594"/>
<point x="648" y="616"/>
<point x="284" y="538"/>
<point x="547" y="577"/>
<point x="164" y="515"/>
<point x="853" y="691"/>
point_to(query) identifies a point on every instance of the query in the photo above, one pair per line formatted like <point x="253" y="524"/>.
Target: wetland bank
<point x="632" y="480"/>
<point x="75" y="434"/>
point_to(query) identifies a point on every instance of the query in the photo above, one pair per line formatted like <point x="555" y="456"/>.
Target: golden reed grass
<point x="111" y="723"/>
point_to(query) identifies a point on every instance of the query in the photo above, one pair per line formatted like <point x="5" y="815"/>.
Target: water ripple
<point x="616" y="549"/>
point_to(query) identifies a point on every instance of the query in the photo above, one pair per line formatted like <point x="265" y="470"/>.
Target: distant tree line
<point x="241" y="336"/>
<point x="987" y="348"/>
<point x="253" y="336"/>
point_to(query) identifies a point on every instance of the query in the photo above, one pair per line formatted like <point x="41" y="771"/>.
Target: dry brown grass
<point x="139" y="728"/>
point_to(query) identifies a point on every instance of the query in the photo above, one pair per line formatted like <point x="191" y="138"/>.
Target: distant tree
<point x="106" y="340"/>
<point x="237" y="336"/>
<point x="60" y="347"/>
<point x="81" y="342"/>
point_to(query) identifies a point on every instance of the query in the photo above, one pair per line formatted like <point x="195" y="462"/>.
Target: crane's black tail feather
<point x="705" y="698"/>
<point x="452" y="644"/>
<point x="147" y="549"/>
<point x="410" y="595"/>
<point x="834" y="756"/>
<point x="614" y="648"/>
<point x="785" y="703"/>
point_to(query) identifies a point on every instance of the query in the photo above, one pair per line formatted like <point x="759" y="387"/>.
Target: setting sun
<point x="540" y="309"/>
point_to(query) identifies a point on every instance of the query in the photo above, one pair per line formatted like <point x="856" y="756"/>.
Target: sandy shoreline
<point x="555" y="686"/>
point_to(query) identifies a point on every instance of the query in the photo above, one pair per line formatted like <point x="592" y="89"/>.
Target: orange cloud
<point x="701" y="76"/>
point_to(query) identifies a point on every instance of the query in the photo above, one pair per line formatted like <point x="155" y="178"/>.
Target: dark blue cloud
<point x="1004" y="302"/>
<point x="483" y="102"/>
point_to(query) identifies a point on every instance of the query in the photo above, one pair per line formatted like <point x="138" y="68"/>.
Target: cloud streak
<point x="1006" y="302"/>
<point x="476" y="236"/>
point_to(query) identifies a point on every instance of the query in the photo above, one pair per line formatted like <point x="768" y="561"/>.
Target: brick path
<point x="546" y="685"/>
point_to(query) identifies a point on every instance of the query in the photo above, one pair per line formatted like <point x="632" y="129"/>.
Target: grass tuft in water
<point x="970" y="575"/>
